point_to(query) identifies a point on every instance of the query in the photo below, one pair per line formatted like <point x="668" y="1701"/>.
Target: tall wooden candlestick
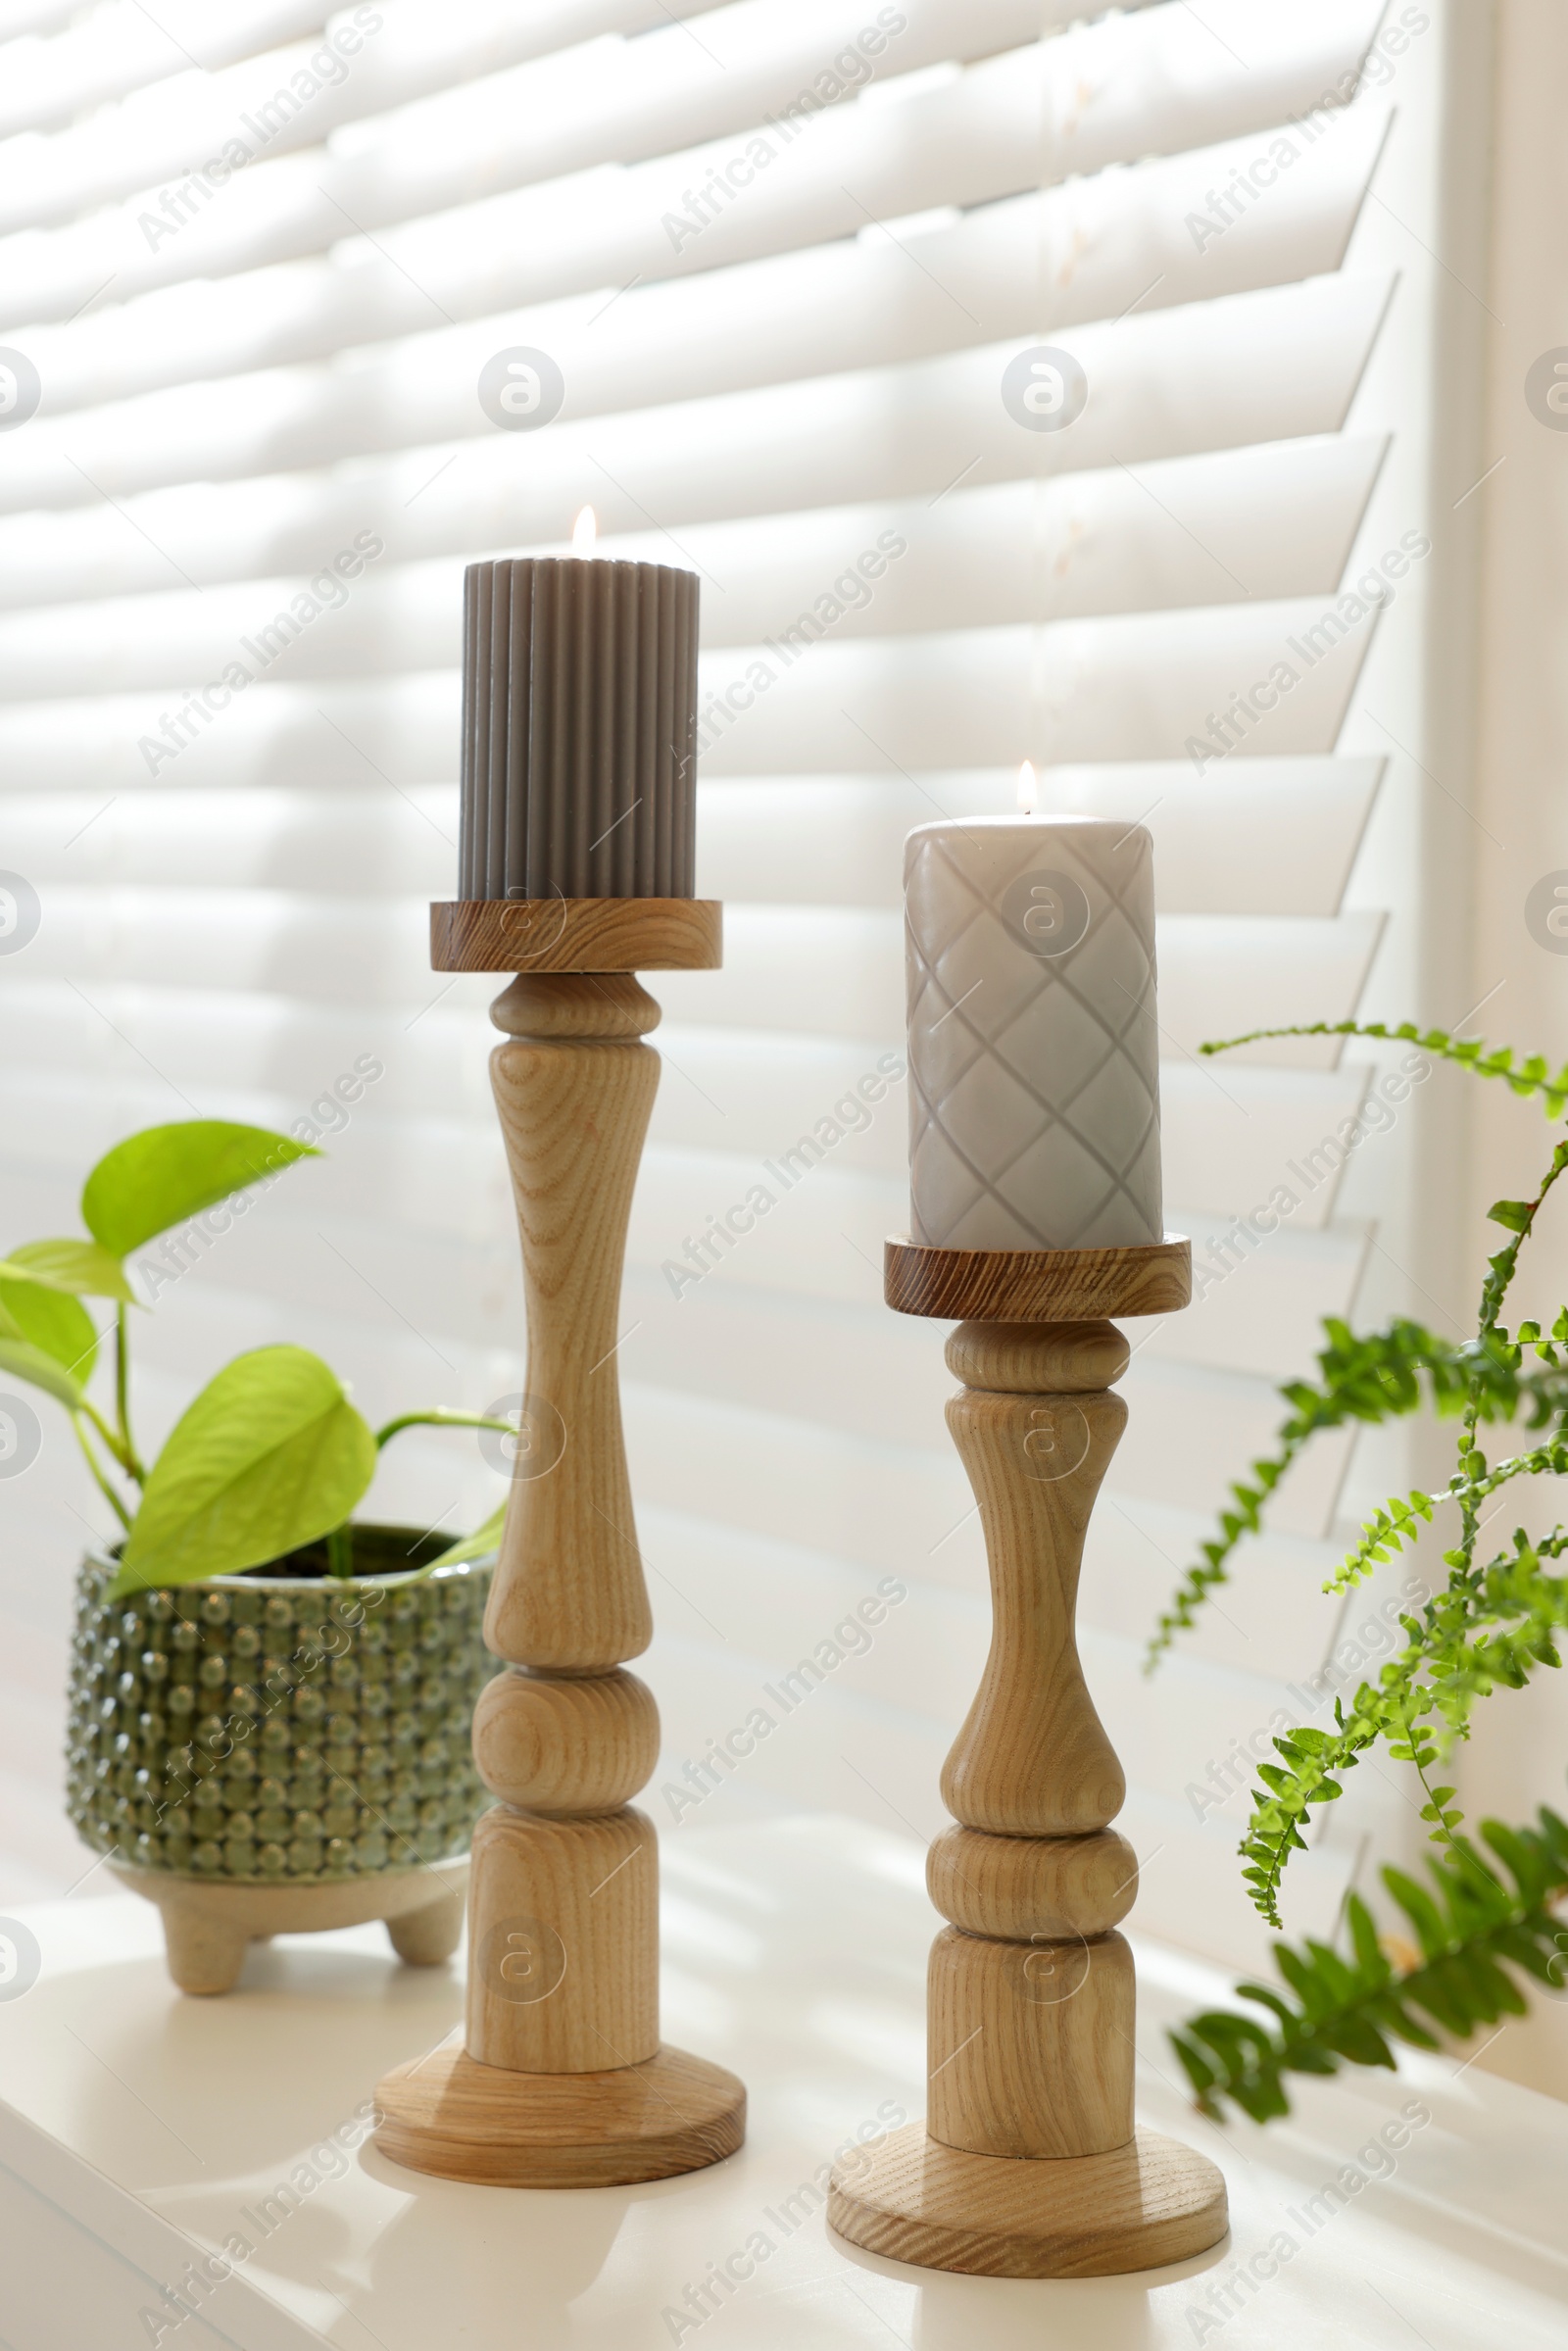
<point x="562" y="2082"/>
<point x="1029" y="2164"/>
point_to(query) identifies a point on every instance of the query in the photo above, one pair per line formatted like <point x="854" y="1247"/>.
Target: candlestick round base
<point x="1037" y="1284"/>
<point x="576" y="934"/>
<point x="1147" y="2204"/>
<point x="451" y="2116"/>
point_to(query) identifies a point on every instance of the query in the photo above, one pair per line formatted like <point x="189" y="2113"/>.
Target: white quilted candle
<point x="1033" y="1065"/>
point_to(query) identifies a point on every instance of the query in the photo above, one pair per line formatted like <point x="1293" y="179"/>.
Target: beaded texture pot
<point x="281" y="1731"/>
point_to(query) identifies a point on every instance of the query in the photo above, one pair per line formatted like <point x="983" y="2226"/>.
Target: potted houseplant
<point x="1488" y="1924"/>
<point x="269" y="1702"/>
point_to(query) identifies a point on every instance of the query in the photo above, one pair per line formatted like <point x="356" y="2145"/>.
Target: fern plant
<point x="1337" y="2009"/>
<point x="1494" y="1621"/>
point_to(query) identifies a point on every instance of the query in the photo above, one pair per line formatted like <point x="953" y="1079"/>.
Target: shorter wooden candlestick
<point x="1029" y="2164"/>
<point x="563" y="2082"/>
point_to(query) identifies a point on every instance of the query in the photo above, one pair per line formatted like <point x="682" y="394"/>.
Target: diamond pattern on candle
<point x="1034" y="1078"/>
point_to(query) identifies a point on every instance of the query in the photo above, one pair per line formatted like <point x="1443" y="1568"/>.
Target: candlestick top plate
<point x="1037" y="1284"/>
<point x="577" y="934"/>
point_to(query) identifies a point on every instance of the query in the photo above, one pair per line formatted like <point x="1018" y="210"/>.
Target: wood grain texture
<point x="1068" y="1285"/>
<point x="445" y="2114"/>
<point x="568" y="1589"/>
<point x="563" y="1942"/>
<point x="1027" y="1889"/>
<point x="1028" y="2165"/>
<point x="562" y="2083"/>
<point x="209" y="1926"/>
<point x="1030" y="2045"/>
<point x="559" y="1746"/>
<point x="577" y="934"/>
<point x="1149" y="2203"/>
<point x="1036" y="1358"/>
<point x="596" y="1004"/>
<point x="1033" y="1758"/>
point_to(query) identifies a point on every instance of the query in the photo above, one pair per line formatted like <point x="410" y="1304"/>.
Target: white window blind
<point x="781" y="256"/>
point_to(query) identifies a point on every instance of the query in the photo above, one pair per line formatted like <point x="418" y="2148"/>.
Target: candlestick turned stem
<point x="563" y="2081"/>
<point x="1029" y="2164"/>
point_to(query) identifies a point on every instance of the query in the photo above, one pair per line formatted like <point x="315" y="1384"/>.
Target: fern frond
<point x="1401" y="1522"/>
<point x="1531" y="1075"/>
<point x="1370" y="1379"/>
<point x="1487" y="1627"/>
<point x="1347" y="2008"/>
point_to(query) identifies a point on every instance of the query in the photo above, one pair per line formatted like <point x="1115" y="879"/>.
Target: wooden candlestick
<point x="1029" y="2164"/>
<point x="563" y="2082"/>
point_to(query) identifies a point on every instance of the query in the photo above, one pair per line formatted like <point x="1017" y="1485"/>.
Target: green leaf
<point x="271" y="1455"/>
<point x="1515" y="1214"/>
<point x="1346" y="2005"/>
<point x="25" y="1362"/>
<point x="472" y="1547"/>
<point x="164" y="1174"/>
<point x="79" y="1268"/>
<point x="1369" y="1956"/>
<point x="48" y="1319"/>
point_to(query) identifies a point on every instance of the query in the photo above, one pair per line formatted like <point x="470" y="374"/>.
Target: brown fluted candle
<point x="579" y="729"/>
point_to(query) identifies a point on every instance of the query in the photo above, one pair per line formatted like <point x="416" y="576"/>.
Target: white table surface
<point x="137" y="2126"/>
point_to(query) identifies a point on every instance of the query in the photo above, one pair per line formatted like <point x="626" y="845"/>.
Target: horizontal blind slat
<point x="1100" y="245"/>
<point x="1144" y="687"/>
<point x="1087" y="545"/>
<point x="830" y="970"/>
<point x="171" y="124"/>
<point x="440" y="72"/>
<point x="124" y="48"/>
<point x="426" y="1144"/>
<point x="1290" y="829"/>
<point x="1249" y="369"/>
<point x="1111" y="92"/>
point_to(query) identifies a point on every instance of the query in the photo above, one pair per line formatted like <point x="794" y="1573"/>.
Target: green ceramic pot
<point x="280" y="1729"/>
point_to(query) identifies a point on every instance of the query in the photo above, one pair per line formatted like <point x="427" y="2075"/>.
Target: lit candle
<point x="1034" y="1072"/>
<point x="579" y="727"/>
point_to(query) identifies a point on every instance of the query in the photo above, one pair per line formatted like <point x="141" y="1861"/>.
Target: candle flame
<point x="585" y="531"/>
<point x="1026" y="788"/>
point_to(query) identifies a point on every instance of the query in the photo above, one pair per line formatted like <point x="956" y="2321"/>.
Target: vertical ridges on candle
<point x="663" y="743"/>
<point x="644" y="699"/>
<point x="535" y="814"/>
<point x="547" y="725"/>
<point x="621" y="732"/>
<point x="510" y="866"/>
<point x="564" y="680"/>
<point x="582" y="651"/>
<point x="683" y="739"/>
<point x="474" y="833"/>
<point x="467" y="812"/>
<point x="499" y="634"/>
<point x="578" y="754"/>
<point x="602" y="673"/>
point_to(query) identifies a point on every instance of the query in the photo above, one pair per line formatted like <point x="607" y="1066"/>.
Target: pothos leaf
<point x="476" y="1545"/>
<point x="50" y="1320"/>
<point x="36" y="1364"/>
<point x="271" y="1455"/>
<point x="79" y="1268"/>
<point x="165" y="1174"/>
